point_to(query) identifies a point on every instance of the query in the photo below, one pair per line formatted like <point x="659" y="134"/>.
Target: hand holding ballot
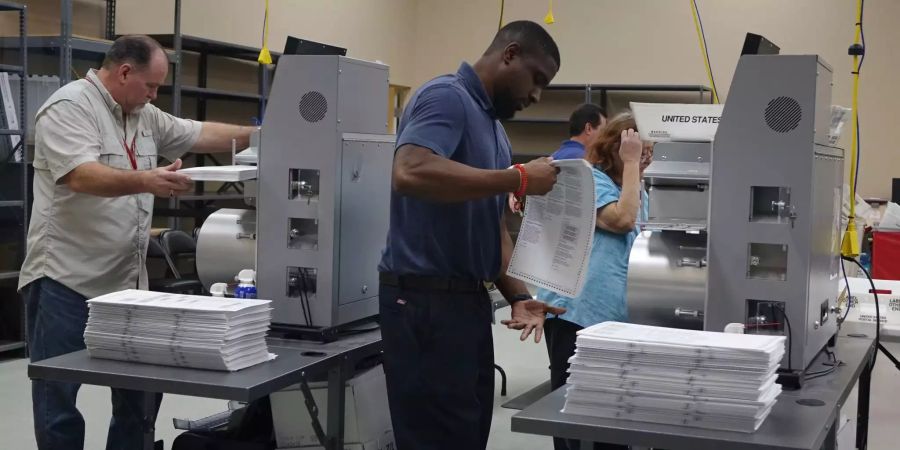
<point x="166" y="181"/>
<point x="540" y="175"/>
<point x="556" y="235"/>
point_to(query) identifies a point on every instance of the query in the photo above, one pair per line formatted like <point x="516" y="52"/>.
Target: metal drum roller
<point x="226" y="245"/>
<point x="667" y="279"/>
<point x="667" y="270"/>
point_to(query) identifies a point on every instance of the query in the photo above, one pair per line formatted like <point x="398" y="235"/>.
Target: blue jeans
<point x="57" y="317"/>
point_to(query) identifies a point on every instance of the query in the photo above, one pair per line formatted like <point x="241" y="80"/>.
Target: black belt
<point x="429" y="283"/>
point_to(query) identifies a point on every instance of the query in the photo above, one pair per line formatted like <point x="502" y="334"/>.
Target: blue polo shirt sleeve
<point x="436" y="121"/>
<point x="606" y="190"/>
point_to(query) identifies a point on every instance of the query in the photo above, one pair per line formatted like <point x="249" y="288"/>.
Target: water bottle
<point x="246" y="287"/>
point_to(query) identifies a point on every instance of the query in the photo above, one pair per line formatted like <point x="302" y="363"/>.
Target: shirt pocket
<point x="111" y="158"/>
<point x="146" y="151"/>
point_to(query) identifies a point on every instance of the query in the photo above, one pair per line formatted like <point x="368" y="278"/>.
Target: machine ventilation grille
<point x="783" y="114"/>
<point x="313" y="106"/>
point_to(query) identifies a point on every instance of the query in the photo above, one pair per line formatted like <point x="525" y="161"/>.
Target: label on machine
<point x="666" y="122"/>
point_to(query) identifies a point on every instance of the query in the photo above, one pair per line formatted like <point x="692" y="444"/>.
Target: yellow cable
<point x="549" y="19"/>
<point x="850" y="244"/>
<point x="500" y="24"/>
<point x="704" y="51"/>
<point x="264" y="56"/>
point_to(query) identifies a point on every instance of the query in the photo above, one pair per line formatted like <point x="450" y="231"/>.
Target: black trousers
<point x="439" y="367"/>
<point x="560" y="336"/>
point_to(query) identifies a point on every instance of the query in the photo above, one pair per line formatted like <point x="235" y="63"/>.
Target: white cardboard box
<point x="862" y="303"/>
<point x="367" y="420"/>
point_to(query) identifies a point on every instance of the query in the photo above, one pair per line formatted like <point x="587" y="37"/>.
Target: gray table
<point x="790" y="425"/>
<point x="296" y="362"/>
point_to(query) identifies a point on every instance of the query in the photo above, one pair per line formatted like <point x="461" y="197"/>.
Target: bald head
<point x="135" y="49"/>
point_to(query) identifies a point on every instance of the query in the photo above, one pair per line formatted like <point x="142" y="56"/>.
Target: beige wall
<point x="653" y="41"/>
<point x="371" y="30"/>
<point x="89" y="18"/>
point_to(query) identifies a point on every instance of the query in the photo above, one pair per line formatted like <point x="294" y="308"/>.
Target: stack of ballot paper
<point x="178" y="330"/>
<point x="701" y="379"/>
<point x="231" y="174"/>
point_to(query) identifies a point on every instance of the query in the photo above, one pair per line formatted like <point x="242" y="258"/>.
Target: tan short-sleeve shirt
<point x="95" y="245"/>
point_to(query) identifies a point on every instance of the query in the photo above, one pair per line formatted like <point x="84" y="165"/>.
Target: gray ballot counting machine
<point x="748" y="229"/>
<point x="322" y="197"/>
<point x="775" y="206"/>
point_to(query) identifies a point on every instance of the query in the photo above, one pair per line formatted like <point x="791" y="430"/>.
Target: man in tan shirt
<point x="95" y="175"/>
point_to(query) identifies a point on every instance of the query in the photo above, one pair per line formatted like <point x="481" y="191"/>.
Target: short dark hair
<point x="586" y="113"/>
<point x="532" y="37"/>
<point x="135" y="49"/>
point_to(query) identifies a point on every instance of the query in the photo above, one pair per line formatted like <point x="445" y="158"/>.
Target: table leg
<point x="831" y="439"/>
<point x="862" y="410"/>
<point x="313" y="410"/>
<point x="337" y="378"/>
<point x="149" y="424"/>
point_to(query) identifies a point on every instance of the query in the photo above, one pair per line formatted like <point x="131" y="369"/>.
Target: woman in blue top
<point x="619" y="159"/>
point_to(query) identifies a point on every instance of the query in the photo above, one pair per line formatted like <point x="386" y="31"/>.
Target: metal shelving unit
<point x="209" y="47"/>
<point x="16" y="342"/>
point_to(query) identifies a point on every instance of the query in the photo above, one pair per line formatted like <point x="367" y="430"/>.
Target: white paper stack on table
<point x="701" y="379"/>
<point x="179" y="330"/>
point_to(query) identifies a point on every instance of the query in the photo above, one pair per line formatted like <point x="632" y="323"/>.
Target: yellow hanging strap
<point x="500" y="23"/>
<point x="549" y="19"/>
<point x="264" y="56"/>
<point x="703" y="50"/>
<point x="850" y="244"/>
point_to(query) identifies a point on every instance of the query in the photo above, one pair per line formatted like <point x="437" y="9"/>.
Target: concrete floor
<point x="524" y="362"/>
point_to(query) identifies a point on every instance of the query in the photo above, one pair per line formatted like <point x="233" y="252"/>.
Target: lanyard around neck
<point x="129" y="150"/>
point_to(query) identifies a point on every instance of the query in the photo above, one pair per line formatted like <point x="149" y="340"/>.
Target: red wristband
<point x="523" y="181"/>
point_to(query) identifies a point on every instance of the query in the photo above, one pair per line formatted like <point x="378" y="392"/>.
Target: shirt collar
<point x="475" y="87"/>
<point x="104" y="93"/>
<point x="572" y="143"/>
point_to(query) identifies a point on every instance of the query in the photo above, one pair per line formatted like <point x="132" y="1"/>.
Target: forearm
<point x="511" y="287"/>
<point x="434" y="178"/>
<point x="217" y="137"/>
<point x="630" y="200"/>
<point x="508" y="286"/>
<point x="621" y="215"/>
<point x="97" y="179"/>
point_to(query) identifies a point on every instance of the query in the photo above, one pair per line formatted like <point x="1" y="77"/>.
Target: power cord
<point x="832" y="363"/>
<point x="790" y="335"/>
<point x="849" y="297"/>
<point x="305" y="287"/>
<point x="850" y="245"/>
<point x="701" y="37"/>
